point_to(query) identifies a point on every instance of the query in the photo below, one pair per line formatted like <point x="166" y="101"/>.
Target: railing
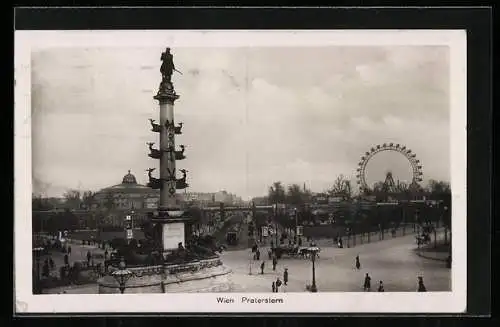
<point x="173" y="269"/>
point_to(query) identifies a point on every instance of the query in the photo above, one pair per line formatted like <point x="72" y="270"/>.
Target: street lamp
<point x="314" y="251"/>
<point x="122" y="275"/>
<point x="443" y="217"/>
<point x="37" y="252"/>
<point x="250" y="263"/>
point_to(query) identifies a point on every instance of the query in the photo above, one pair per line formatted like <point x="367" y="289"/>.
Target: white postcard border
<point x="349" y="302"/>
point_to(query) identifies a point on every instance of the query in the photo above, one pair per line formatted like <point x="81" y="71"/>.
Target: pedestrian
<point x="273" y="286"/>
<point x="358" y="264"/>
<point x="275" y="262"/>
<point x="300" y="241"/>
<point x="257" y="254"/>
<point x="262" y="267"/>
<point x="69" y="250"/>
<point x="278" y="284"/>
<point x="66" y="260"/>
<point x="421" y="286"/>
<point x="367" y="283"/>
<point x="285" y="276"/>
<point x="340" y="245"/>
<point x="89" y="256"/>
<point x="270" y="254"/>
<point x="381" y="287"/>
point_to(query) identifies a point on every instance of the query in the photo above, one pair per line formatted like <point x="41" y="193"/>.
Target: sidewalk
<point x="78" y="253"/>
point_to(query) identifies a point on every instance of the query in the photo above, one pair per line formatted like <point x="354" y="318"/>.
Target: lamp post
<point x="314" y="251"/>
<point x="250" y="263"/>
<point x="122" y="275"/>
<point x="431" y="207"/>
<point x="37" y="252"/>
<point x="296" y="224"/>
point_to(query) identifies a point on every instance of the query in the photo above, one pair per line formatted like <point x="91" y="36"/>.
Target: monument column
<point x="169" y="214"/>
<point x="168" y="199"/>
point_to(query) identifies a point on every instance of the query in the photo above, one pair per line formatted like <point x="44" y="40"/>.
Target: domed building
<point x="120" y="200"/>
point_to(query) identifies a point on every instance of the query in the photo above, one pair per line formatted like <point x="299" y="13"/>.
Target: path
<point x="392" y="261"/>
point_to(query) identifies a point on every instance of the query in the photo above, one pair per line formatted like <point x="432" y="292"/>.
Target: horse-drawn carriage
<point x="423" y="239"/>
<point x="296" y="252"/>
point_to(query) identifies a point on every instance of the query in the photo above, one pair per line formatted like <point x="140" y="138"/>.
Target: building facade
<point x="115" y="202"/>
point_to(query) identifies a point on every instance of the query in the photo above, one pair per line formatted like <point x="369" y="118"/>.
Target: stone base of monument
<point x="144" y="280"/>
<point x="204" y="276"/>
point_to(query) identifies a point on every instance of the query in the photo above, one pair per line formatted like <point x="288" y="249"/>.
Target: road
<point x="393" y="261"/>
<point x="78" y="253"/>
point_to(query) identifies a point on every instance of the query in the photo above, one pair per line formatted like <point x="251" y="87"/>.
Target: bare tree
<point x="88" y="199"/>
<point x="341" y="186"/>
<point x="295" y="194"/>
<point x="277" y="193"/>
<point x="73" y="198"/>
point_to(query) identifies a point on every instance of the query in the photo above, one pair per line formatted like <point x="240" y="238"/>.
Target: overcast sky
<point x="252" y="115"/>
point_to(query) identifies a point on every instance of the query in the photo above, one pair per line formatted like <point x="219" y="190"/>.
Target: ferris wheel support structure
<point x="417" y="175"/>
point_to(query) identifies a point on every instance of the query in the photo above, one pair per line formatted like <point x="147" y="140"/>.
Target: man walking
<point x="358" y="264"/>
<point x="421" y="286"/>
<point x="275" y="262"/>
<point x="367" y="283"/>
<point x="285" y="276"/>
<point x="278" y="284"/>
<point x="381" y="287"/>
<point x="262" y="267"/>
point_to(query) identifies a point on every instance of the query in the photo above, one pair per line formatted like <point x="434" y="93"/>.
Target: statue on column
<point x="155" y="127"/>
<point x="181" y="183"/>
<point x="178" y="129"/>
<point x="167" y="65"/>
<point x="154" y="183"/>
<point x="154" y="153"/>
<point x="167" y="68"/>
<point x="179" y="155"/>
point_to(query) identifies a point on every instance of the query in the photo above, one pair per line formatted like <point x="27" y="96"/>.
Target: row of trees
<point x="73" y="199"/>
<point x="298" y="197"/>
<point x="295" y="195"/>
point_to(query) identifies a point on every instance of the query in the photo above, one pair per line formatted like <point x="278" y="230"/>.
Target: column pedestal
<point x="174" y="228"/>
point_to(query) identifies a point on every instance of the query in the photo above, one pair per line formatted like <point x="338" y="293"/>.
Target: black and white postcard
<point x="240" y="171"/>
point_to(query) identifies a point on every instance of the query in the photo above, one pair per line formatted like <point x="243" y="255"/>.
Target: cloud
<point x="252" y="115"/>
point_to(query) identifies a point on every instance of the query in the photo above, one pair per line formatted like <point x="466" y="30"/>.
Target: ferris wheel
<point x="417" y="175"/>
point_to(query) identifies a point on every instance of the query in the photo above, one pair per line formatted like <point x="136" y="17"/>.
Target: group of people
<point x="368" y="279"/>
<point x="275" y="286"/>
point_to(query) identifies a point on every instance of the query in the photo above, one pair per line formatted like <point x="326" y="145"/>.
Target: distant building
<point x="121" y="199"/>
<point x="211" y="199"/>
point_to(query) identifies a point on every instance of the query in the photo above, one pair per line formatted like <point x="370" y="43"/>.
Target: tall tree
<point x="341" y="187"/>
<point x="295" y="194"/>
<point x="379" y="191"/>
<point x="87" y="199"/>
<point x="277" y="193"/>
<point x="39" y="203"/>
<point x="438" y="187"/>
<point x="73" y="198"/>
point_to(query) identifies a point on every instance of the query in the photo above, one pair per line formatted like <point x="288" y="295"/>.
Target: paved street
<point x="392" y="261"/>
<point x="78" y="253"/>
